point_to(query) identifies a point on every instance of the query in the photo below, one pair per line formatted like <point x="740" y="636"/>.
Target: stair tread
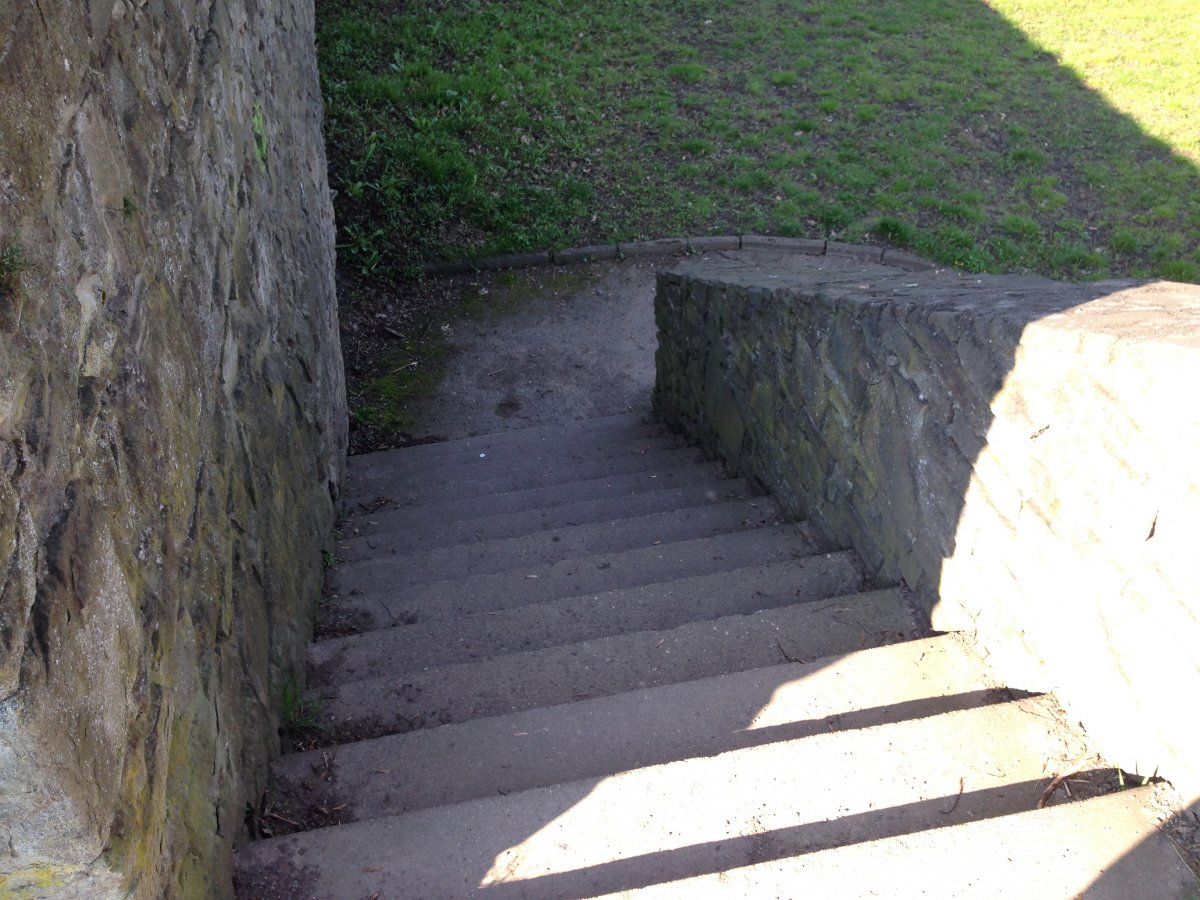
<point x="443" y="641"/>
<point x="636" y="681"/>
<point x="703" y="814"/>
<point x="437" y="531"/>
<point x="602" y="431"/>
<point x="610" y="665"/>
<point x="485" y="476"/>
<point x="368" y="516"/>
<point x="396" y="571"/>
<point x="605" y="735"/>
<point x="369" y="604"/>
<point x="1106" y="848"/>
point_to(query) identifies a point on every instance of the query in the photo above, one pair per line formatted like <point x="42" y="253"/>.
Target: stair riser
<point x="611" y="665"/>
<point x="714" y="814"/>
<point x="487" y="478"/>
<point x="596" y="433"/>
<point x="365" y="518"/>
<point x="438" y="532"/>
<point x="622" y="732"/>
<point x="1108" y="848"/>
<point x="394" y="651"/>
<point x="374" y="606"/>
<point x="396" y="573"/>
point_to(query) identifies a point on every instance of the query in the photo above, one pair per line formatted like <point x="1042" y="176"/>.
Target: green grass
<point x="297" y="713"/>
<point x="1056" y="136"/>
<point x="12" y="264"/>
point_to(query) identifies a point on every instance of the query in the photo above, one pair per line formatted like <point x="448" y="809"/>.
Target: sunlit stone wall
<point x="1020" y="452"/>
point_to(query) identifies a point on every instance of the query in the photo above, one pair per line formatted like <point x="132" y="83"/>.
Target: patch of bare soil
<point x="313" y="803"/>
<point x="1183" y="829"/>
<point x="333" y="621"/>
<point x="282" y="879"/>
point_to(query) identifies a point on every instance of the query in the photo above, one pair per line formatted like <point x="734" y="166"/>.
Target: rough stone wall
<point x="172" y="428"/>
<point x="1020" y="452"/>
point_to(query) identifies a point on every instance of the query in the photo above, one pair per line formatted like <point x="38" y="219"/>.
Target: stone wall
<point x="172" y="428"/>
<point x="1020" y="452"/>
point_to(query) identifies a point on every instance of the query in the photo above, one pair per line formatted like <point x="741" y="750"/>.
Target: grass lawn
<point x="1058" y="136"/>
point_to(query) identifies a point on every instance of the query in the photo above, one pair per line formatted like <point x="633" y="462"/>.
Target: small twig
<point x="954" y="805"/>
<point x="1059" y="779"/>
<point x="275" y="815"/>
<point x="786" y="655"/>
<point x="395" y="619"/>
<point x="1051" y="787"/>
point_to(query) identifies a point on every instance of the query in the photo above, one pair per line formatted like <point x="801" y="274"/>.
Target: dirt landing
<point x="551" y="345"/>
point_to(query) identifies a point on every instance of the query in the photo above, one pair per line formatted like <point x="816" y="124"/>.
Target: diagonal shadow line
<point x="563" y="764"/>
<point x="907" y="710"/>
<point x="708" y="858"/>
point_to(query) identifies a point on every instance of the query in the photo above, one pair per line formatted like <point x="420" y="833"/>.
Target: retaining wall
<point x="1020" y="452"/>
<point x="172" y="429"/>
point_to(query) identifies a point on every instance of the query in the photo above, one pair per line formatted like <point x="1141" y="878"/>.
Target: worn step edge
<point x="610" y="665"/>
<point x="403" y="570"/>
<point x="706" y="814"/>
<point x="480" y="465"/>
<point x="595" y="432"/>
<point x="649" y="726"/>
<point x="372" y="606"/>
<point x="505" y="477"/>
<point x="519" y="456"/>
<point x="468" y="636"/>
<point x="1105" y="848"/>
<point x="368" y="517"/>
<point x="438" y="532"/>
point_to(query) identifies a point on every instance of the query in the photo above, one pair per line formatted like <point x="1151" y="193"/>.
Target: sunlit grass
<point x="1058" y="137"/>
<point x="1143" y="56"/>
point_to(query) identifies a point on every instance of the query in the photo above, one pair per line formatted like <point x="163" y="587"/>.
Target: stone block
<point x="714" y="244"/>
<point x="593" y="253"/>
<point x="1010" y="447"/>
<point x="909" y="262"/>
<point x="806" y="246"/>
<point x="864" y="252"/>
<point x="660" y="247"/>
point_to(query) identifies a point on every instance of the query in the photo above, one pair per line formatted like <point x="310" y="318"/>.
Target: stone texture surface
<point x="592" y="253"/>
<point x="171" y="428"/>
<point x="1017" y="450"/>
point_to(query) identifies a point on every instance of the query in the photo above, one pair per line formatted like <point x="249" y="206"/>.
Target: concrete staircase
<point x="579" y="661"/>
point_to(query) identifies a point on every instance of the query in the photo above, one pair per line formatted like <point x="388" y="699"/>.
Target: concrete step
<point x="698" y="815"/>
<point x="497" y="476"/>
<point x="367" y="606"/>
<point x="1106" y="848"/>
<point x="397" y="572"/>
<point x="390" y="652"/>
<point x="610" y="665"/>
<point x="439" y="532"/>
<point x="606" y="431"/>
<point x="591" y="738"/>
<point x="365" y="518"/>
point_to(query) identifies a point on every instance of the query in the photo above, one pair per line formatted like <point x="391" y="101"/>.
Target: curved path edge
<point x="685" y="245"/>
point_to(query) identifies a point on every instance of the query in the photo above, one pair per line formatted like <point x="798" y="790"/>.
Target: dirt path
<point x="553" y="345"/>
